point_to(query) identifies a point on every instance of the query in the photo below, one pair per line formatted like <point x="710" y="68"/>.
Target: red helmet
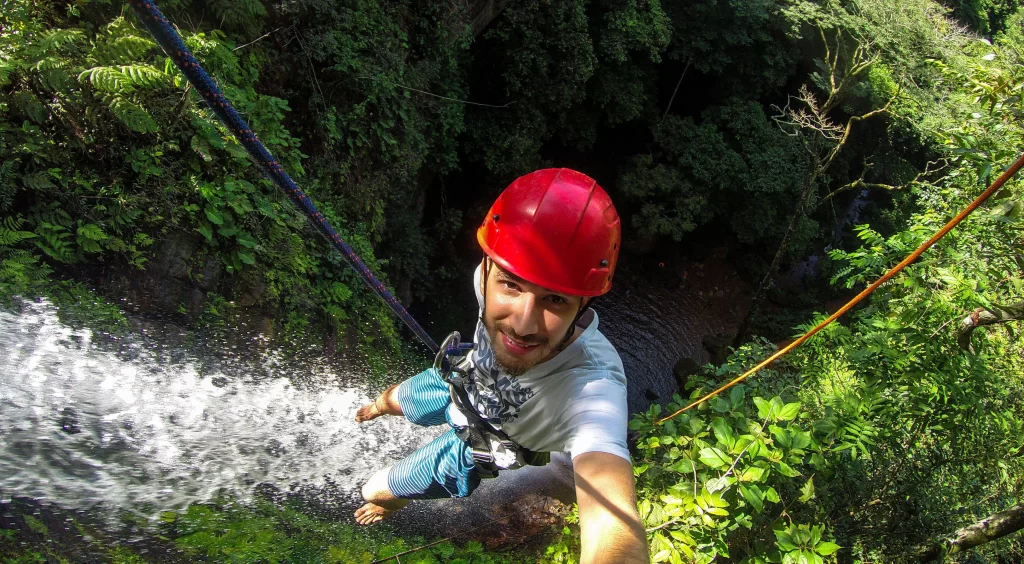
<point x="555" y="228"/>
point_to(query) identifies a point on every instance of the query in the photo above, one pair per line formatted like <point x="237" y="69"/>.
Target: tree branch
<point x="986" y="316"/>
<point x="990" y="528"/>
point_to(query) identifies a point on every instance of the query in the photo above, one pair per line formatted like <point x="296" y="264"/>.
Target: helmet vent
<point x="495" y="217"/>
<point x="604" y="262"/>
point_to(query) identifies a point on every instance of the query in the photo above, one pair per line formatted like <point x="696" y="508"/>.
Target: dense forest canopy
<point x="750" y="123"/>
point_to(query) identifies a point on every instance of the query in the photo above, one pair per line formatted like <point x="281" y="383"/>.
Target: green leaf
<point x="752" y="474"/>
<point x="684" y="466"/>
<point x="807" y="491"/>
<point x="753" y="495"/>
<point x="786" y="470"/>
<point x="245" y="240"/>
<point x="714" y="458"/>
<point x="785" y="541"/>
<point x="800" y="439"/>
<point x="772" y="495"/>
<point x="207" y="231"/>
<point x="214" y="216"/>
<point x="789" y="411"/>
<point x="92" y="231"/>
<point x="246" y="257"/>
<point x="720" y="405"/>
<point x="764" y="408"/>
<point x="826" y="548"/>
<point x="723" y="432"/>
<point x="736" y="396"/>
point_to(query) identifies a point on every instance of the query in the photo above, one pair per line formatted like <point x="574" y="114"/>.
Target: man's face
<point x="525" y="322"/>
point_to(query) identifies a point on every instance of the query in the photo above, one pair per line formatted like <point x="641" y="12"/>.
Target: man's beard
<point x="508" y="363"/>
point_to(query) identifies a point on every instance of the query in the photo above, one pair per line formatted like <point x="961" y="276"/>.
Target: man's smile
<point x="516" y="346"/>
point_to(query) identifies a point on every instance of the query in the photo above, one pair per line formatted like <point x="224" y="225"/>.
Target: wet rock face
<point x="522" y="520"/>
<point x="683" y="369"/>
<point x="718" y="347"/>
<point x="166" y="279"/>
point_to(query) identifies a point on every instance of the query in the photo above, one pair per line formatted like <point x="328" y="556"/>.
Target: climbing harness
<point x="172" y="44"/>
<point x="992" y="189"/>
<point x="491" y="448"/>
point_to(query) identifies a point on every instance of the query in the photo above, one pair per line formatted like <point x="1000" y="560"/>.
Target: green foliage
<point x="727" y="479"/>
<point x="734" y="165"/>
<point x="931" y="416"/>
<point x="984" y="16"/>
<point x="265" y="532"/>
<point x="104" y="157"/>
<point x="79" y="306"/>
<point x="751" y="44"/>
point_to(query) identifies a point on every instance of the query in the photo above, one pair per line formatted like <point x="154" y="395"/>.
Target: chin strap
<point x="572" y="328"/>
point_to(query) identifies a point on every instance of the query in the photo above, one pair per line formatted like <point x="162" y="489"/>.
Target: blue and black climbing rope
<point x="172" y="44"/>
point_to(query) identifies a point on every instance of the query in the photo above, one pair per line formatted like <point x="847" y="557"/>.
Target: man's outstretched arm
<point x="610" y="527"/>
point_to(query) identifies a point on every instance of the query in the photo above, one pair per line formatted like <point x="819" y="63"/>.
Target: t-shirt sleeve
<point x="596" y="419"/>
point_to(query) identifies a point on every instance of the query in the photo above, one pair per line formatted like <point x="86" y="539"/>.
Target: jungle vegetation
<point x="754" y="122"/>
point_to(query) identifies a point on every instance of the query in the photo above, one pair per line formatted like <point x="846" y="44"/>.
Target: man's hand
<point x="610" y="527"/>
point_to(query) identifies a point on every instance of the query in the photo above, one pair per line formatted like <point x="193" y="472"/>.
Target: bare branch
<point x="862" y="183"/>
<point x="986" y="316"/>
<point x="260" y="38"/>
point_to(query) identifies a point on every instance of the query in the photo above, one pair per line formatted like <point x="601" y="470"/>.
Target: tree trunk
<point x="993" y="527"/>
<point x="990" y="316"/>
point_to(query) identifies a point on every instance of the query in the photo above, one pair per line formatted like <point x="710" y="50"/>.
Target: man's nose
<point x="526" y="320"/>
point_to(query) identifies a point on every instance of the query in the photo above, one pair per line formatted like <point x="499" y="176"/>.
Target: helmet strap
<point x="584" y="306"/>
<point x="486" y="276"/>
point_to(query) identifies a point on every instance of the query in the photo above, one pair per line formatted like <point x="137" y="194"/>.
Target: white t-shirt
<point x="574" y="402"/>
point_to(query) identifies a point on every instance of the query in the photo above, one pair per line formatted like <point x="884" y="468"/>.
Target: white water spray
<point x="87" y="428"/>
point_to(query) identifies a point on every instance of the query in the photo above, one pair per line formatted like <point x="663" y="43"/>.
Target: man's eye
<point x="558" y="300"/>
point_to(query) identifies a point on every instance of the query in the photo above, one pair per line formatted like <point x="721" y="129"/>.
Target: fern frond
<point x="54" y="215"/>
<point x="53" y="240"/>
<point x="12" y="222"/>
<point x="124" y="79"/>
<point x="107" y="79"/>
<point x="21" y="258"/>
<point x="9" y="237"/>
<point x="22" y="269"/>
<point x="90" y="236"/>
<point x="146" y="76"/>
<point x="131" y="114"/>
<point x="50" y="63"/>
<point x="53" y="72"/>
<point x="37" y="181"/>
<point x="30" y="105"/>
<point x="128" y="48"/>
<point x="7" y="68"/>
<point x="54" y="39"/>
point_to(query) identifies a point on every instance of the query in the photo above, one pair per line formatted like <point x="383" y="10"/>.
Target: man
<point x="541" y="379"/>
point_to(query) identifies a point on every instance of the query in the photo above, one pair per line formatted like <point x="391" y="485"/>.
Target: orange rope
<point x="1016" y="166"/>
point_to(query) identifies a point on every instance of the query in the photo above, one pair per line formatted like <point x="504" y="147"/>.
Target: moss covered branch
<point x="993" y="527"/>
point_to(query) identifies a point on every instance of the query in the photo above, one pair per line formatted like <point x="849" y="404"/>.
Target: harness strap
<point x="478" y="431"/>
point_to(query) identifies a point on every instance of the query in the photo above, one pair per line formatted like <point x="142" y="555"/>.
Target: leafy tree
<point x="735" y="166"/>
